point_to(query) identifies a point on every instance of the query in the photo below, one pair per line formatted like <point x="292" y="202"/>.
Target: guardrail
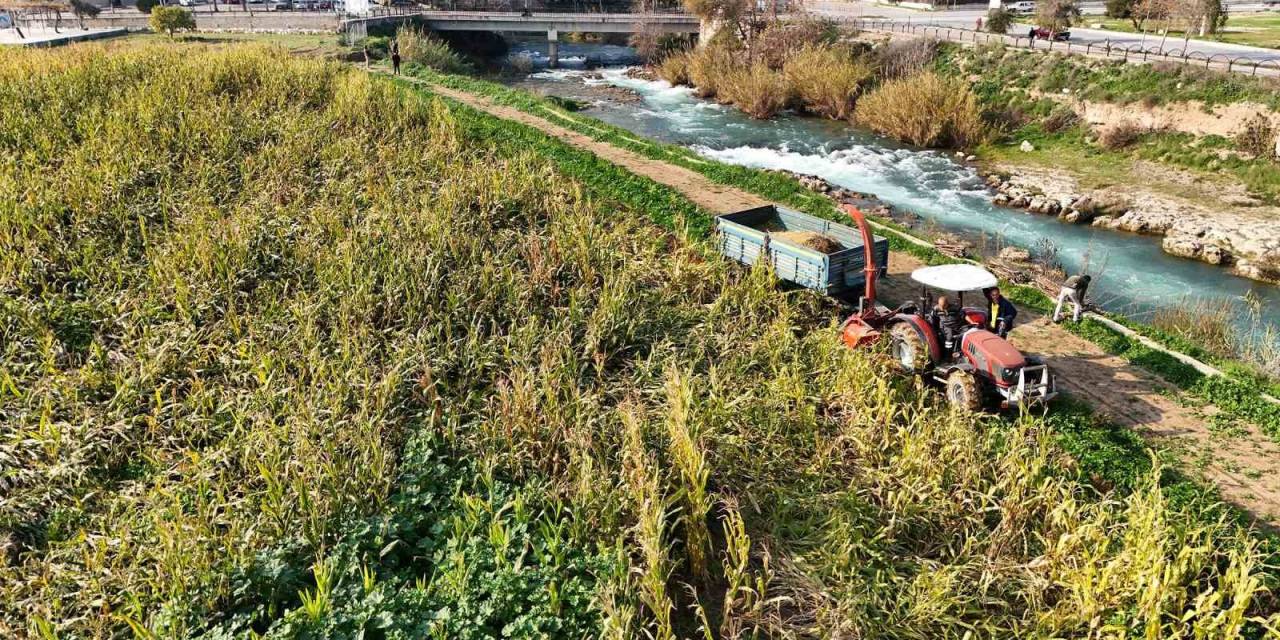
<point x="1105" y="49"/>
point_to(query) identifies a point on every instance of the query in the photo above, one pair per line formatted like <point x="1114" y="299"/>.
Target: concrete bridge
<point x="553" y="24"/>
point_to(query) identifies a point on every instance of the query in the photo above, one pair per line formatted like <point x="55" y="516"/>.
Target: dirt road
<point x="1244" y="465"/>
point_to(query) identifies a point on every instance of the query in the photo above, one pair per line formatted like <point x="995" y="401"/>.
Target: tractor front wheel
<point x="908" y="348"/>
<point x="962" y="391"/>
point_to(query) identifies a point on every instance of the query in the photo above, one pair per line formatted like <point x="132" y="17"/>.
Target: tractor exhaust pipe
<point x="869" y="257"/>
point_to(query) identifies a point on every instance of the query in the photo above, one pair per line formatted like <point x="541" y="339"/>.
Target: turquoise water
<point x="1132" y="275"/>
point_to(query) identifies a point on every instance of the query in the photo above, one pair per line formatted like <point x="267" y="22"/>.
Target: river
<point x="1132" y="275"/>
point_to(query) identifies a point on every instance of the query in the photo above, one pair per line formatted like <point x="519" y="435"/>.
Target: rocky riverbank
<point x="1242" y="236"/>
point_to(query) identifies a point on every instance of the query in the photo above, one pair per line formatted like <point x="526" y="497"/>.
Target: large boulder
<point x="1256" y="271"/>
<point x="1194" y="246"/>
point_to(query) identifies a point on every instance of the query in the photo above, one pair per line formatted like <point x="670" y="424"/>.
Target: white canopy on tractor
<point x="954" y="277"/>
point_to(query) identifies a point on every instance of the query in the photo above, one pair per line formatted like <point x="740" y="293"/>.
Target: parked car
<point x="1024" y="7"/>
<point x="190" y="3"/>
<point x="279" y="5"/>
<point x="304" y="5"/>
<point x="1041" y="33"/>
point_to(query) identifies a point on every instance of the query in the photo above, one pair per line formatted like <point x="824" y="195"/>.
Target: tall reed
<point x="758" y="91"/>
<point x="925" y="109"/>
<point x="827" y="80"/>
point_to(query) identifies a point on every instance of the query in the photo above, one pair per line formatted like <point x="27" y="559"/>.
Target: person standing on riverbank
<point x="1074" y="289"/>
<point x="395" y="62"/>
<point x="1002" y="312"/>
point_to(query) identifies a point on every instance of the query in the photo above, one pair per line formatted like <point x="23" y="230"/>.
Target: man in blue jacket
<point x="1000" y="313"/>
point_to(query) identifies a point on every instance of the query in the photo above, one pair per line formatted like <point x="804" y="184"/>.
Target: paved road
<point x="966" y="18"/>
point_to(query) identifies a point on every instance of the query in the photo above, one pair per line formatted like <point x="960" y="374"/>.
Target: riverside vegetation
<point x="991" y="99"/>
<point x="1240" y="390"/>
<point x="295" y="352"/>
<point x="804" y="65"/>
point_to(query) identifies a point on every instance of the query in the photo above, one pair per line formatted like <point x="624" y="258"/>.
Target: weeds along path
<point x="1244" y="464"/>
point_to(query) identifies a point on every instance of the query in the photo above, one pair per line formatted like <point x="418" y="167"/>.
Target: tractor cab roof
<point x="954" y="277"/>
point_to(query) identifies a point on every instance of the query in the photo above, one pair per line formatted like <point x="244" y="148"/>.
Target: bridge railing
<point x="548" y="6"/>
<point x="1106" y="49"/>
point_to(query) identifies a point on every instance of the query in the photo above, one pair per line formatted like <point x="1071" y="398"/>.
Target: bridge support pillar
<point x="553" y="48"/>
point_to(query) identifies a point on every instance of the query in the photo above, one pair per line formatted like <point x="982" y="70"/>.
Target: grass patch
<point x="998" y="68"/>
<point x="1256" y="30"/>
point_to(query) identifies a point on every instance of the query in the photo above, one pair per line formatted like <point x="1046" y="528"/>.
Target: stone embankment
<point x="1248" y="245"/>
<point x="1249" y="248"/>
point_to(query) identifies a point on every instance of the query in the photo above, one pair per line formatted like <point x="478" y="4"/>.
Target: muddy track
<point x="1245" y="466"/>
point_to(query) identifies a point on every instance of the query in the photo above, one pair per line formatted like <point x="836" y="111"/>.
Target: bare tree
<point x="1146" y="11"/>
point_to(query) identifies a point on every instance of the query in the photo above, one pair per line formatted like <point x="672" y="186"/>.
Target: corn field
<point x="291" y="351"/>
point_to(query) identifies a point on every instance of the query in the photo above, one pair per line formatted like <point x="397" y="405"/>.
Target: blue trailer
<point x="747" y="235"/>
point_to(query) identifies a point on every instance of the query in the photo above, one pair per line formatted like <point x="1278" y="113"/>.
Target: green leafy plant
<point x="170" y="20"/>
<point x="999" y="20"/>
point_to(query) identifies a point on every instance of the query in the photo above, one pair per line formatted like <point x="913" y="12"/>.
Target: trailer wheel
<point x="908" y="348"/>
<point x="962" y="391"/>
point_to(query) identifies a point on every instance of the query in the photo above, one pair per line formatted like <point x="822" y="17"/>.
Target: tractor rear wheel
<point x="908" y="348"/>
<point x="962" y="391"/>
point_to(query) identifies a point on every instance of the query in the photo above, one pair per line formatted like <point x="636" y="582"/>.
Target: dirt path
<point x="1245" y="465"/>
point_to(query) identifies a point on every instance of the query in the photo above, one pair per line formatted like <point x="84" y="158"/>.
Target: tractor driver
<point x="949" y="322"/>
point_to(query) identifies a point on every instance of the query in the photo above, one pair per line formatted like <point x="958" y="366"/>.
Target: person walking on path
<point x="1002" y="312"/>
<point x="366" y="56"/>
<point x="979" y="27"/>
<point x="1074" y="289"/>
<point x="395" y="61"/>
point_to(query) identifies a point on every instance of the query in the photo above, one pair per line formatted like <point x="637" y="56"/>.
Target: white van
<point x="1024" y="7"/>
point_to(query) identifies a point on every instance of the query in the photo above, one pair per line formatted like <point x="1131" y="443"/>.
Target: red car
<point x="1042" y="33"/>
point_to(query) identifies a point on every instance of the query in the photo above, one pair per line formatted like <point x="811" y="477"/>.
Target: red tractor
<point x="975" y="366"/>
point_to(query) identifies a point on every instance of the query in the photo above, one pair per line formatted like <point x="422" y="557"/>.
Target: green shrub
<point x="417" y="46"/>
<point x="827" y="80"/>
<point x="926" y="109"/>
<point x="999" y="20"/>
<point x="758" y="91"/>
<point x="379" y="46"/>
<point x="171" y="20"/>
<point x="1119" y="8"/>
